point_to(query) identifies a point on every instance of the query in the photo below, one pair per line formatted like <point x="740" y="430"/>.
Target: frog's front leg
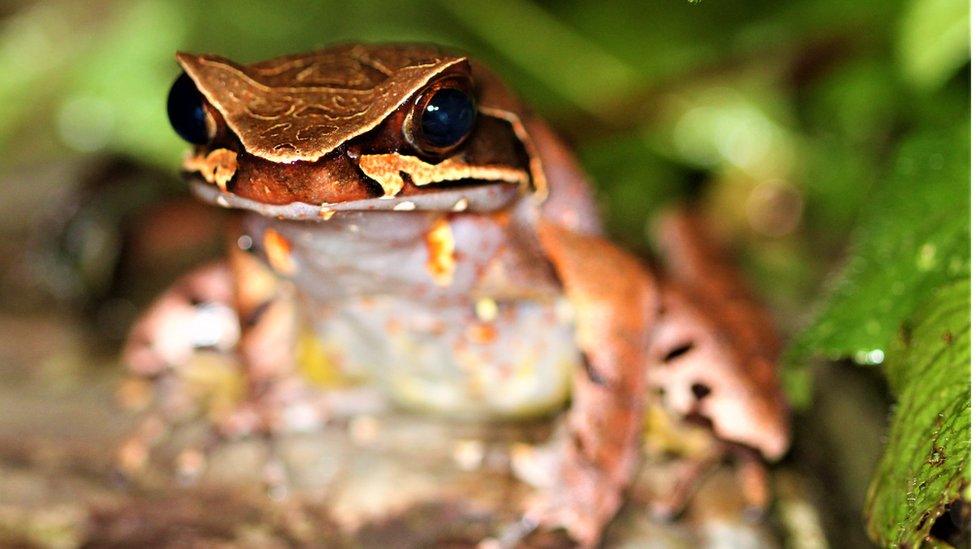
<point x="614" y="300"/>
<point x="217" y="347"/>
<point x="267" y="311"/>
<point x="174" y="354"/>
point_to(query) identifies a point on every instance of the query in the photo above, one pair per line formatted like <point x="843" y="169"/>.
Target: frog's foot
<point x="527" y="534"/>
<point x="753" y="479"/>
<point x="203" y="404"/>
<point x="134" y="454"/>
<point x="571" y="494"/>
<point x="184" y="429"/>
<point x="184" y="337"/>
<point x="186" y="376"/>
<point x="582" y="504"/>
<point x="193" y="459"/>
<point x="686" y="474"/>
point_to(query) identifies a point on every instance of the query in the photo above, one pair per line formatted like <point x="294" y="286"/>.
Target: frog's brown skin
<point x="349" y="227"/>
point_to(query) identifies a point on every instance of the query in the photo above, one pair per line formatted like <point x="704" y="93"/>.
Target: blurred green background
<point x="782" y="118"/>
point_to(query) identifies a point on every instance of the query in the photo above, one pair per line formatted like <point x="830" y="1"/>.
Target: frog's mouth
<point x="486" y="174"/>
<point x="461" y="196"/>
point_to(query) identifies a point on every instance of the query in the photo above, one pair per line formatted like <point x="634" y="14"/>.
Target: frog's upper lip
<point x="486" y="197"/>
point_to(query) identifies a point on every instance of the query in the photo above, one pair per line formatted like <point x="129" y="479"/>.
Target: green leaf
<point x="914" y="236"/>
<point x="933" y="42"/>
<point x="902" y="302"/>
<point x="926" y="462"/>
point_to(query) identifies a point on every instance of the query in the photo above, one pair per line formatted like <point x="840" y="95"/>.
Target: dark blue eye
<point x="446" y="118"/>
<point x="186" y="112"/>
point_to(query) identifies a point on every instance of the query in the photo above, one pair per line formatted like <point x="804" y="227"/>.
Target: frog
<point x="401" y="216"/>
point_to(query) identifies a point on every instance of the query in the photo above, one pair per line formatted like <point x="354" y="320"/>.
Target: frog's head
<point x="353" y="127"/>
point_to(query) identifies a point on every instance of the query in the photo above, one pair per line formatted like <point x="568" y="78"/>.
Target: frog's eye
<point x="189" y="113"/>
<point x="442" y="117"/>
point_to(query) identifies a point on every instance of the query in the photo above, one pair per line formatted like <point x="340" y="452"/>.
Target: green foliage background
<point x="828" y="139"/>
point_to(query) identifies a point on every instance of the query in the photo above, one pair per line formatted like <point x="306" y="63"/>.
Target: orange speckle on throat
<point x="481" y="333"/>
<point x="441" y="257"/>
<point x="277" y="249"/>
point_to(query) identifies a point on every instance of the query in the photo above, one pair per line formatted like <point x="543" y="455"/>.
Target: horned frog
<point x="433" y="239"/>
